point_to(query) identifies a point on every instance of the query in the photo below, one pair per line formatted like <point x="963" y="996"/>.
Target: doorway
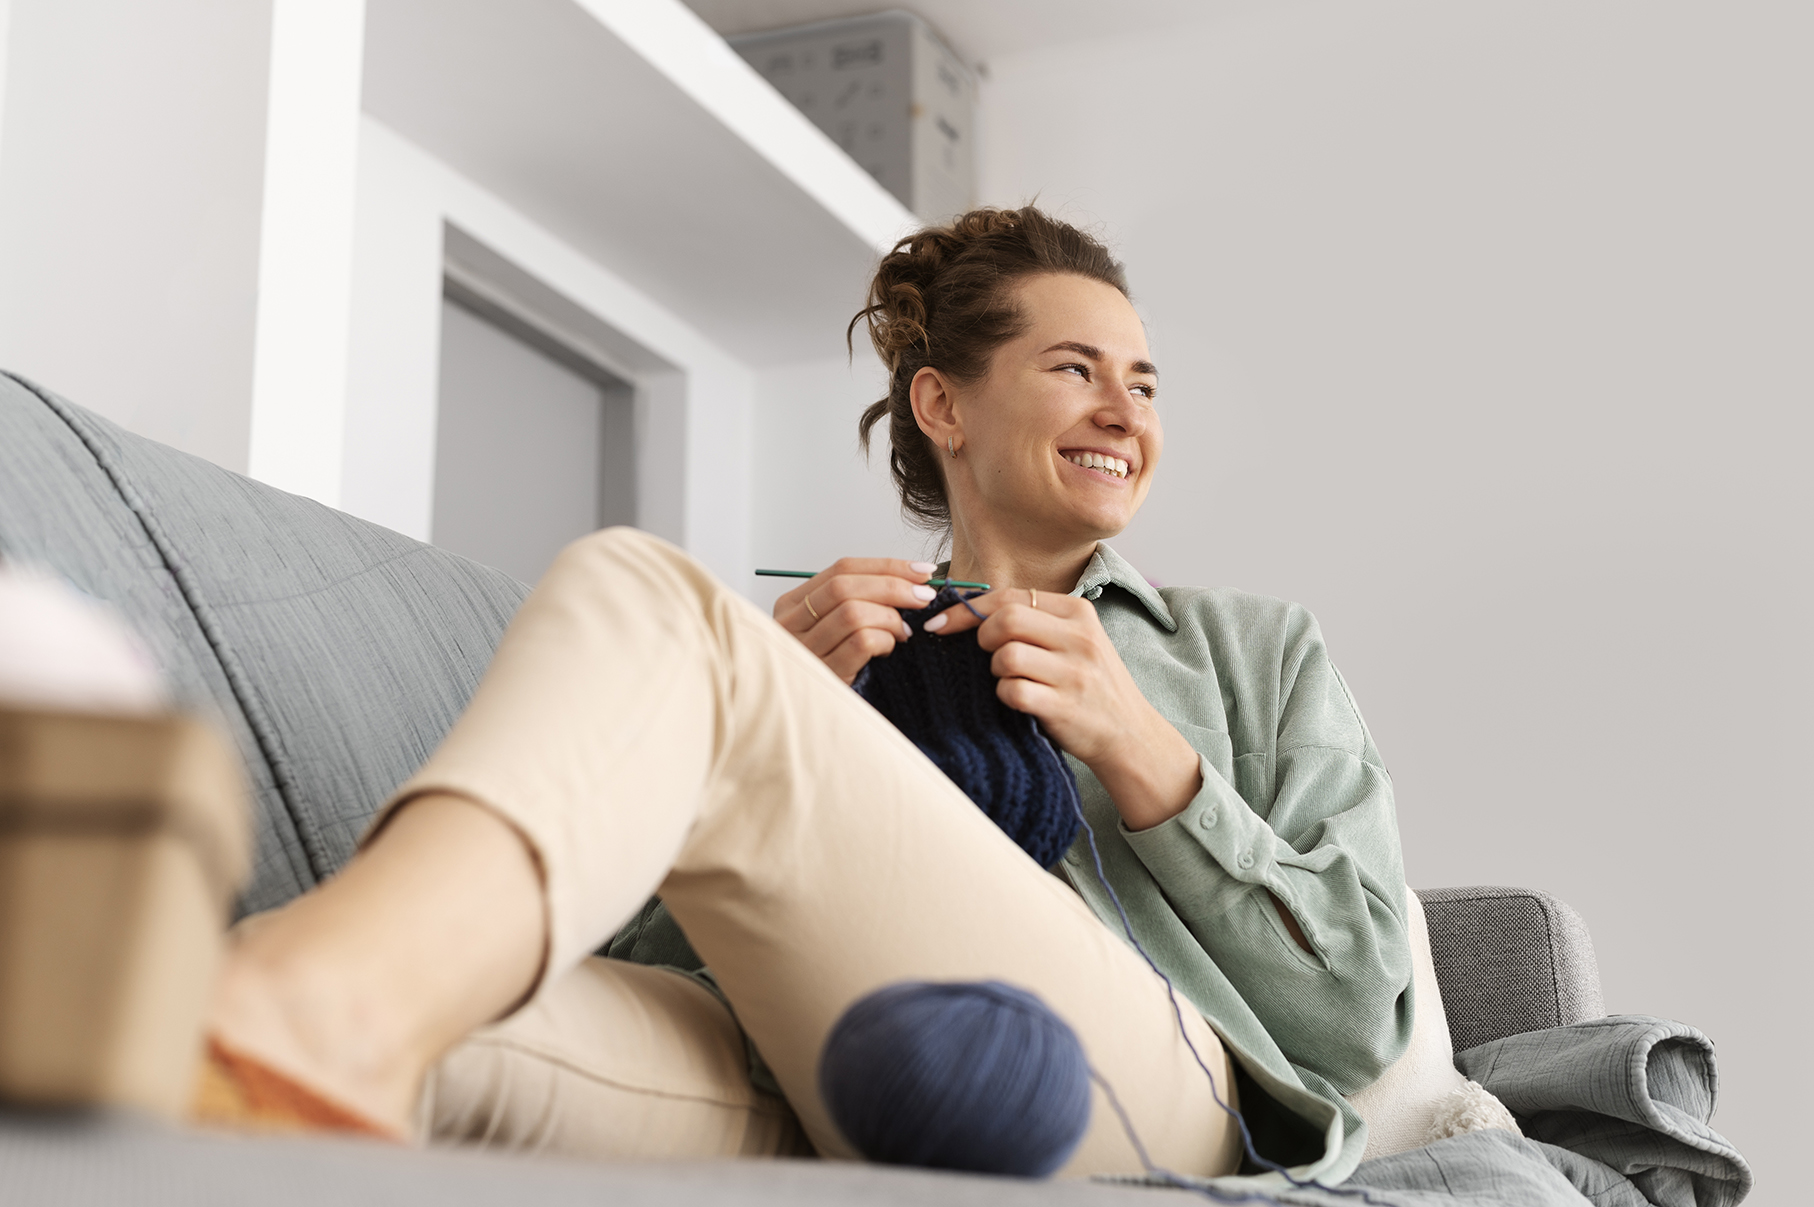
<point x="535" y="442"/>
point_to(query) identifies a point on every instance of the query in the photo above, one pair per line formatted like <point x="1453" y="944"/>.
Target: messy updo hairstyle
<point x="944" y="297"/>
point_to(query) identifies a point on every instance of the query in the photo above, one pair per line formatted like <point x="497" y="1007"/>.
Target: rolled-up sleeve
<point x="1316" y="829"/>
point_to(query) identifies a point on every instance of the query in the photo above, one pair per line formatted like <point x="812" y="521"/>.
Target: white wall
<point x="815" y="499"/>
<point x="1483" y="332"/>
<point x="201" y="239"/>
<point x="6" y="19"/>
<point x="131" y="162"/>
<point x="305" y="258"/>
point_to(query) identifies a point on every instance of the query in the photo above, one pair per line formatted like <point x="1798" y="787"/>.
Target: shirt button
<point x="1207" y="819"/>
<point x="1246" y="859"/>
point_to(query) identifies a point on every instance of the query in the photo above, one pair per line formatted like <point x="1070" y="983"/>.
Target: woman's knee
<point x="628" y="559"/>
<point x="619" y="544"/>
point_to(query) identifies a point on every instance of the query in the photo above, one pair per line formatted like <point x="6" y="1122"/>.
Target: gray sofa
<point x="336" y="653"/>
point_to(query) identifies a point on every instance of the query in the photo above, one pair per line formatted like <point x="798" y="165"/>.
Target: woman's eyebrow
<point x="1095" y="353"/>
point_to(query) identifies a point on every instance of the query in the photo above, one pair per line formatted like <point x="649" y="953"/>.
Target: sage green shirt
<point x="1295" y="802"/>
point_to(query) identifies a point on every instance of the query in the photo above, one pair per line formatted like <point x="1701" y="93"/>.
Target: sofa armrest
<point x="1509" y="960"/>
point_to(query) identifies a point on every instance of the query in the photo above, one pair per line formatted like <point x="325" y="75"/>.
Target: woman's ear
<point x="934" y="408"/>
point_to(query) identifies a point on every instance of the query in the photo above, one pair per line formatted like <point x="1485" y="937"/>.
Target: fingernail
<point x="906" y="631"/>
<point x="936" y="623"/>
<point x="923" y="567"/>
<point x="924" y="593"/>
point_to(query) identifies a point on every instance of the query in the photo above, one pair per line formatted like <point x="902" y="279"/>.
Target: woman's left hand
<point x="1054" y="661"/>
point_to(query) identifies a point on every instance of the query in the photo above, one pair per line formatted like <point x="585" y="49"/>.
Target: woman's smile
<point x="1098" y="464"/>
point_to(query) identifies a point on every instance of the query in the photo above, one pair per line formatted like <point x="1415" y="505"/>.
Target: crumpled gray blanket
<point x="1614" y="1113"/>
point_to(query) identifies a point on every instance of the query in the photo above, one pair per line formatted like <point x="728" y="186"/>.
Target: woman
<point x="643" y="730"/>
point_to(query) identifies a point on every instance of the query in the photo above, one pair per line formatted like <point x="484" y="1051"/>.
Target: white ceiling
<point x="528" y="99"/>
<point x="979" y="30"/>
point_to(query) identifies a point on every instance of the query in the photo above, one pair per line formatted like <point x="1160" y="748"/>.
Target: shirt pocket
<point x="1250" y="775"/>
<point x="1253" y="780"/>
<point x="1212" y="744"/>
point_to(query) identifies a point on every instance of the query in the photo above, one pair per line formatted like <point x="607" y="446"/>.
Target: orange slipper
<point x="241" y="1093"/>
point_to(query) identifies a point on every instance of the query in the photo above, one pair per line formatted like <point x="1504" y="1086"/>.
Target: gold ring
<point x="1035" y="593"/>
<point x="808" y="601"/>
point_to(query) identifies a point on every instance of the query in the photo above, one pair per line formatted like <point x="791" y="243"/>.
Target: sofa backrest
<point x="335" y="652"/>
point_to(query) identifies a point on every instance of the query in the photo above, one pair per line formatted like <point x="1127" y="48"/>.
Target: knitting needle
<point x="931" y="582"/>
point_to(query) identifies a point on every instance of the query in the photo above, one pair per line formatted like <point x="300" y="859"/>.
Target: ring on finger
<point x="1034" y="592"/>
<point x="808" y="601"/>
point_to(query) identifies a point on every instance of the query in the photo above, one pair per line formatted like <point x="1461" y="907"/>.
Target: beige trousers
<point x="647" y="730"/>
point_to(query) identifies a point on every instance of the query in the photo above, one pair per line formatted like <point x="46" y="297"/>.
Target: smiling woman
<point x="1247" y="817"/>
<point x="642" y="729"/>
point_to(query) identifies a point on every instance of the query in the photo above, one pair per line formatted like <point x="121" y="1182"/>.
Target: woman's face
<point x="1073" y="392"/>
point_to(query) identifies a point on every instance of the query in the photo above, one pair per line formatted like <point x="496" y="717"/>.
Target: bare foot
<point x="355" y="989"/>
<point x="307" y="1024"/>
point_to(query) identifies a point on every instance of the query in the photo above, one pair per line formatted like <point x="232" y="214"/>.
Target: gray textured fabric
<point x="1614" y="1113"/>
<point x="339" y="651"/>
<point x="1481" y="1169"/>
<point x="101" y="1164"/>
<point x="1509" y="960"/>
<point x="60" y="510"/>
<point x="1632" y="1092"/>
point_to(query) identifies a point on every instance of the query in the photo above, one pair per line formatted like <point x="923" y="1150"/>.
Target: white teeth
<point x="1109" y="465"/>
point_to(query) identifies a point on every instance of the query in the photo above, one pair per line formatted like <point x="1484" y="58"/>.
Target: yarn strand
<point x="1127" y="1124"/>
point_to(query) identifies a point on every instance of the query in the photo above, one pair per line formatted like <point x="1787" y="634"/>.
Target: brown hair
<point x="944" y="297"/>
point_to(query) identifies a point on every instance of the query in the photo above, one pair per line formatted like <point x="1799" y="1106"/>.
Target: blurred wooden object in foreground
<point x="123" y="840"/>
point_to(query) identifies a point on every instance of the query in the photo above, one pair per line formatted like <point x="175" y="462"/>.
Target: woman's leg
<point x="642" y="727"/>
<point x="616" y="1061"/>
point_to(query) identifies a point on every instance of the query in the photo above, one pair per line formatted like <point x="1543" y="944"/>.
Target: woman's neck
<point x="1004" y="564"/>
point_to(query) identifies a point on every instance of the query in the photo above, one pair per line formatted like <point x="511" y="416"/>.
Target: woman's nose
<point x="1122" y="413"/>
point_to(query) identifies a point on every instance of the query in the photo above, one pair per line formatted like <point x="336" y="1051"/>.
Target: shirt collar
<point x="1108" y="567"/>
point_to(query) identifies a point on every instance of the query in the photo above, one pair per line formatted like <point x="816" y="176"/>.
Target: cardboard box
<point x="889" y="91"/>
<point x="123" y="840"/>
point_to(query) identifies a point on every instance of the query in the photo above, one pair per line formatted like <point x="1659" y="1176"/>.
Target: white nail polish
<point x="924" y="593"/>
<point x="906" y="631"/>
<point x="922" y="567"/>
<point x="936" y="623"/>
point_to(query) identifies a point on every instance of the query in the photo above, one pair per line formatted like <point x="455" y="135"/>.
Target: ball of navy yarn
<point x="973" y="1076"/>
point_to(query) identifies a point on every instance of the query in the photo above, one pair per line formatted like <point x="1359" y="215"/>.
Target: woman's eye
<point x="1081" y="370"/>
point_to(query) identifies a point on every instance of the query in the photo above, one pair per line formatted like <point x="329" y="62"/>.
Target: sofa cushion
<point x="337" y="652"/>
<point x="1510" y="960"/>
<point x="60" y="510"/>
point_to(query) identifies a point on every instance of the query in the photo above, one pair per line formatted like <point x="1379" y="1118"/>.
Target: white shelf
<point x="630" y="130"/>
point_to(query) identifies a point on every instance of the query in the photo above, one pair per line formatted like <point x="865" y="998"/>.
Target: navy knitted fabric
<point x="940" y="693"/>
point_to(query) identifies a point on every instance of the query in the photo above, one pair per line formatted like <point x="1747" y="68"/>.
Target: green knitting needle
<point x="931" y="582"/>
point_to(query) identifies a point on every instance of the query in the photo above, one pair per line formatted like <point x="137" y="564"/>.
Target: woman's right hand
<point x="851" y="611"/>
